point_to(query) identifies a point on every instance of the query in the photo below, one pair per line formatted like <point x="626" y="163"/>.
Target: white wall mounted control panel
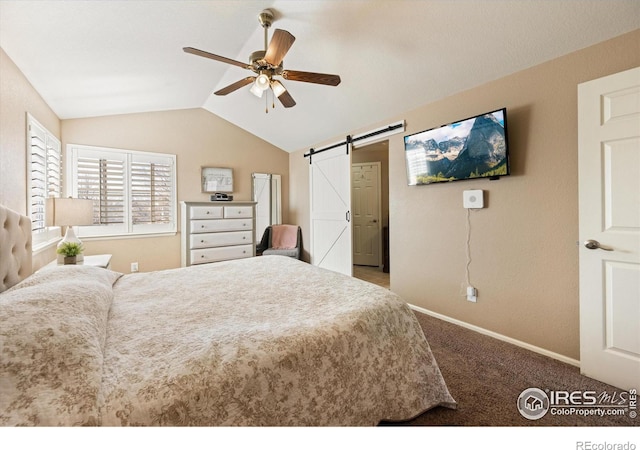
<point x="473" y="199"/>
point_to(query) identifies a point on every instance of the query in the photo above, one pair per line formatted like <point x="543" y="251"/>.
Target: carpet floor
<point x="486" y="376"/>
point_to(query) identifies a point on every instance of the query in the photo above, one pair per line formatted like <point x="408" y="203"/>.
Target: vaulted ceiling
<point x="104" y="57"/>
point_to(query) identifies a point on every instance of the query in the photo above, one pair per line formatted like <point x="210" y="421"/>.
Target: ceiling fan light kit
<point x="267" y="64"/>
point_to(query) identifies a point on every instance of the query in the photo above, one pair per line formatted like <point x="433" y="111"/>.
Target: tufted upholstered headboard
<point x="15" y="248"/>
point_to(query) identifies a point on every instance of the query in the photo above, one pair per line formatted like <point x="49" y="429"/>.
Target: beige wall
<point x="523" y="245"/>
<point x="17" y="98"/>
<point x="198" y="138"/>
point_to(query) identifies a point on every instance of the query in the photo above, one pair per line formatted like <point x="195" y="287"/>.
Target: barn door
<point x="330" y="192"/>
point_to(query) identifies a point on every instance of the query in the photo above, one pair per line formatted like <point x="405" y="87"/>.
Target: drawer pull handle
<point x="202" y="241"/>
<point x="208" y="212"/>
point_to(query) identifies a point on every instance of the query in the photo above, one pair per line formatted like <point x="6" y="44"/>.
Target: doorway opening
<point x="370" y="212"/>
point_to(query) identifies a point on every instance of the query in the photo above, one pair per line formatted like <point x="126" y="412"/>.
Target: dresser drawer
<point x="208" y="255"/>
<point x="206" y="212"/>
<point x="204" y="240"/>
<point x="212" y="226"/>
<point x="238" y="211"/>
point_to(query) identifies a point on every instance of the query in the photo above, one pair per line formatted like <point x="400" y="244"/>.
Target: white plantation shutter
<point x="38" y="177"/>
<point x="132" y="192"/>
<point x="45" y="180"/>
<point x="54" y="167"/>
<point x="151" y="192"/>
<point x="100" y="178"/>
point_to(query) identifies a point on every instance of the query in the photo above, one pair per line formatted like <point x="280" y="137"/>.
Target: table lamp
<point x="69" y="212"/>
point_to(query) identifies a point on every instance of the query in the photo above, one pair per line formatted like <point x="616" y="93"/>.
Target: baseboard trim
<point x="533" y="348"/>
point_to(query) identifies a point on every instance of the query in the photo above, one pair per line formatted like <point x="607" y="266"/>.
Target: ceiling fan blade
<point x="281" y="42"/>
<point x="286" y="100"/>
<point x="235" y="86"/>
<point x="311" y="77"/>
<point x="195" y="51"/>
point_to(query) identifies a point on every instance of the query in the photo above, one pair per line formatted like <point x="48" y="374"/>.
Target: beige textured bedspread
<point x="264" y="341"/>
<point x="52" y="336"/>
<point x="267" y="341"/>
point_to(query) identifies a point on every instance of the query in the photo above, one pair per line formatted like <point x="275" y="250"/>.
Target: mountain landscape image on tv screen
<point x="471" y="148"/>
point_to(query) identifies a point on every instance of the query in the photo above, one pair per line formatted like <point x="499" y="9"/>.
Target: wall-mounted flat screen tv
<point x="476" y="147"/>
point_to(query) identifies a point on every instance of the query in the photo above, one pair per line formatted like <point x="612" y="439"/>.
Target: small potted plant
<point x="70" y="250"/>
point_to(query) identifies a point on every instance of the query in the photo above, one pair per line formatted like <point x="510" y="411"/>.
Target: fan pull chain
<point x="266" y="101"/>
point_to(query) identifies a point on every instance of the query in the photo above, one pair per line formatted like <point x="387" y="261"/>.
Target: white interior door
<point x="609" y="195"/>
<point x="330" y="192"/>
<point x="365" y="203"/>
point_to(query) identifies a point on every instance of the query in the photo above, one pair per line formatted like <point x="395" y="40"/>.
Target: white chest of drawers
<point x="216" y="231"/>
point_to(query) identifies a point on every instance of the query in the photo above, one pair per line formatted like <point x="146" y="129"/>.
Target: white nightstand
<point x="103" y="261"/>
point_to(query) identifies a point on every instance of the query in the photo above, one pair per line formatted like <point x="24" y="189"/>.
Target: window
<point x="133" y="192"/>
<point x="45" y="180"/>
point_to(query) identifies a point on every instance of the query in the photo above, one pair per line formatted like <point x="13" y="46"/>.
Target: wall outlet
<point x="134" y="267"/>
<point x="472" y="294"/>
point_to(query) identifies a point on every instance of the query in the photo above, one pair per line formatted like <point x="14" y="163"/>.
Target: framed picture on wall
<point x="216" y="179"/>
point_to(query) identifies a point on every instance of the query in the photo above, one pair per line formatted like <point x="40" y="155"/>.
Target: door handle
<point x="594" y="245"/>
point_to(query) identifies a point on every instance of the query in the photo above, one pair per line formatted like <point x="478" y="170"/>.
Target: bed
<point x="264" y="341"/>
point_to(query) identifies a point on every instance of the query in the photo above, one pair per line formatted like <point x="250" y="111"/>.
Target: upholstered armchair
<point x="283" y="240"/>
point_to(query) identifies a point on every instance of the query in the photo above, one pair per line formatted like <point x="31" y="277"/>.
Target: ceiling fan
<point x="267" y="64"/>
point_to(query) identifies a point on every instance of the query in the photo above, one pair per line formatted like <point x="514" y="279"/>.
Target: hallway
<point x="373" y="275"/>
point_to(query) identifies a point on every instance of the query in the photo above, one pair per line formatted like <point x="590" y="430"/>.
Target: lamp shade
<point x="278" y="88"/>
<point x="262" y="82"/>
<point x="69" y="211"/>
<point x="255" y="90"/>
